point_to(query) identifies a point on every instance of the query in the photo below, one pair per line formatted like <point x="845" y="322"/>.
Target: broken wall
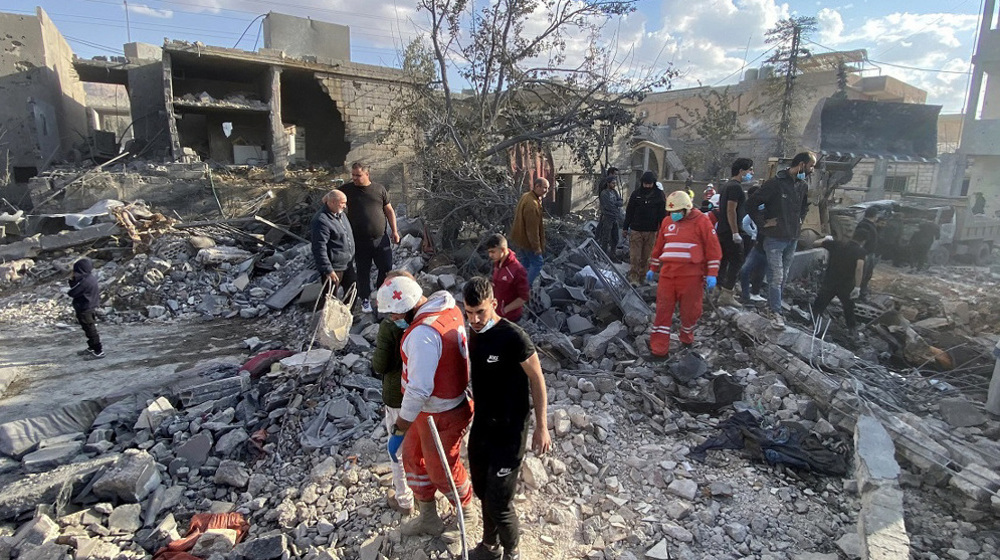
<point x="42" y="102"/>
<point x="306" y="37"/>
<point x="369" y="99"/>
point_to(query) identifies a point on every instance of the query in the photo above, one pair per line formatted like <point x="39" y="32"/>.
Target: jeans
<point x="752" y="272"/>
<point x="779" y="260"/>
<point x="532" y="262"/>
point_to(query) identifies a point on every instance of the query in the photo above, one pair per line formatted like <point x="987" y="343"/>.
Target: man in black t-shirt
<point x="842" y="278"/>
<point x="374" y="224"/>
<point x="504" y="370"/>
<point x="866" y="233"/>
<point x="731" y="211"/>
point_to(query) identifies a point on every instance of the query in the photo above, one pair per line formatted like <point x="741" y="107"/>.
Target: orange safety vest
<point x="452" y="375"/>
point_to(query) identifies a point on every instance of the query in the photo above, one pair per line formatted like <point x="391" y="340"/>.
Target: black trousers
<point x="920" y="253"/>
<point x="842" y="292"/>
<point x="871" y="259"/>
<point x="495" y="453"/>
<point x="732" y="261"/>
<point x="368" y="251"/>
<point x="89" y="324"/>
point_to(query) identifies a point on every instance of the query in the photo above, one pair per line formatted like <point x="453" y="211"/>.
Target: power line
<point x="938" y="70"/>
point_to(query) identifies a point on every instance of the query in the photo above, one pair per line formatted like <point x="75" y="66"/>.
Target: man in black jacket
<point x="86" y="296"/>
<point x="333" y="242"/>
<point x="866" y="233"/>
<point x="646" y="209"/>
<point x="786" y="201"/>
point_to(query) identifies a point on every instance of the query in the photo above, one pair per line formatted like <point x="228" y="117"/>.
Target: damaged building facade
<point x="299" y="99"/>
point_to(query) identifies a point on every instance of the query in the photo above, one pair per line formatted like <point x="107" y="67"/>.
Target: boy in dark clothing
<point x="387" y="362"/>
<point x="843" y="275"/>
<point x="866" y="233"/>
<point x="86" y="296"/>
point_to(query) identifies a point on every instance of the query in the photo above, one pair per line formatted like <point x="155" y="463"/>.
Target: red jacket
<point x="510" y="281"/>
<point x="686" y="248"/>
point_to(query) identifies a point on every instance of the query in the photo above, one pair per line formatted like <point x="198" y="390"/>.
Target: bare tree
<point x="715" y="125"/>
<point x="515" y="73"/>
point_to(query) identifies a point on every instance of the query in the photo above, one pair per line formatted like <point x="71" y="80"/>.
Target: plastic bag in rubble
<point x="335" y="320"/>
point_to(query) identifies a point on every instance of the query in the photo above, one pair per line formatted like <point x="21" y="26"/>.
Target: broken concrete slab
<point x="291" y="289"/>
<point x="578" y="324"/>
<point x="131" y="479"/>
<point x="124" y="519"/>
<point x="881" y="521"/>
<point x="195" y="450"/>
<point x="597" y="344"/>
<point x="51" y="457"/>
<point x="26" y="493"/>
<point x="960" y="413"/>
<point x="977" y="482"/>
<point x="40" y="530"/>
<point x="151" y="416"/>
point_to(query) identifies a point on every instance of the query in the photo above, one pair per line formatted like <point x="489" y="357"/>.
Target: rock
<point x="533" y="473"/>
<point x="341" y="408"/>
<point x="960" y="413"/>
<point x="124" y="520"/>
<point x="578" y="324"/>
<point x="264" y="548"/>
<point x="850" y="545"/>
<point x="658" y="551"/>
<point x="51" y="457"/>
<point x="597" y="344"/>
<point x="229" y="442"/>
<point x="154" y="311"/>
<point x="214" y="541"/>
<point x="195" y="450"/>
<point x="48" y="551"/>
<point x="131" y="479"/>
<point x="232" y="473"/>
<point x="370" y="548"/>
<point x="94" y="549"/>
<point x="976" y="482"/>
<point x="683" y="488"/>
<point x="154" y="414"/>
<point x="736" y="531"/>
<point x="677" y="532"/>
<point x="324" y="471"/>
<point x="719" y="488"/>
<point x="41" y="529"/>
<point x="27" y="492"/>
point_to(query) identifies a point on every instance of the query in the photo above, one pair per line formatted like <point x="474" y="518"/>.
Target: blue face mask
<point x="748" y="177"/>
<point x="401" y="323"/>
<point x="677" y="216"/>
<point x="801" y="176"/>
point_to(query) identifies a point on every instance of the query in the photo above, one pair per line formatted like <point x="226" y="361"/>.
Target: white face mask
<point x="489" y="325"/>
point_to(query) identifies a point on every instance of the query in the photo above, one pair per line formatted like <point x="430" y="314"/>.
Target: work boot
<point x="485" y="552"/>
<point x="427" y="522"/>
<point x="727" y="298"/>
<point x="452" y="532"/>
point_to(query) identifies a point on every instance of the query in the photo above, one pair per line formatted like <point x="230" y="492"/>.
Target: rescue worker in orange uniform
<point x="686" y="255"/>
<point x="435" y="377"/>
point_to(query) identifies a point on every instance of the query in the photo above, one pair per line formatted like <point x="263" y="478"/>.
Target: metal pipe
<point x="451" y="482"/>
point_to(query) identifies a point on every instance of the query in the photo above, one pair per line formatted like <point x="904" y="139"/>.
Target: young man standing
<point x="786" y="200"/>
<point x="505" y="370"/>
<point x="528" y="231"/>
<point x="843" y="275"/>
<point x="646" y="209"/>
<point x="866" y="233"/>
<point x="732" y="204"/>
<point x="510" y="279"/>
<point x="374" y="225"/>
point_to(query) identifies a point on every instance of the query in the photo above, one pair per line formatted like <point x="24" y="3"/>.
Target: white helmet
<point x="398" y="295"/>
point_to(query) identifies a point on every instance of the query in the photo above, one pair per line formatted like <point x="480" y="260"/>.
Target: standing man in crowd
<point x="374" y="224"/>
<point x="732" y="203"/>
<point x="843" y="274"/>
<point x="921" y="242"/>
<point x="510" y="279"/>
<point x="505" y="370"/>
<point x="528" y="231"/>
<point x="866" y="233"/>
<point x="435" y="377"/>
<point x="610" y="202"/>
<point x="333" y="243"/>
<point x="646" y="209"/>
<point x="686" y="257"/>
<point x="786" y="200"/>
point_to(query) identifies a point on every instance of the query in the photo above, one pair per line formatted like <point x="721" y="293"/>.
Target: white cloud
<point x="144" y="10"/>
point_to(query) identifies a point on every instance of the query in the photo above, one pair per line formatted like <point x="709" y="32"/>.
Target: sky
<point x="927" y="43"/>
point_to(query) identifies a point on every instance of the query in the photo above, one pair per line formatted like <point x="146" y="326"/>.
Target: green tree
<point x="715" y="124"/>
<point x="788" y="37"/>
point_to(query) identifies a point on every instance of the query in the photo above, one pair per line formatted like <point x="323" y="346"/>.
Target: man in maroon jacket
<point x="510" y="279"/>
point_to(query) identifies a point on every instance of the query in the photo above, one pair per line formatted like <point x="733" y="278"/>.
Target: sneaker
<point x="366" y="306"/>
<point x="84" y="352"/>
<point x="485" y="552"/>
<point x="91" y="355"/>
<point x="757" y="298"/>
<point x="777" y="322"/>
<point x="511" y="555"/>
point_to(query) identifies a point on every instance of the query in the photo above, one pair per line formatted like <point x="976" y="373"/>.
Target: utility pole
<point x="787" y="99"/>
<point x="128" y="26"/>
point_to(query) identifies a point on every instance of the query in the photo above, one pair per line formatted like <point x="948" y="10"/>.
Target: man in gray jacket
<point x="333" y="241"/>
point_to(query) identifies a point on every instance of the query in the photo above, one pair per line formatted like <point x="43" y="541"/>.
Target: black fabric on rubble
<point x="789" y="444"/>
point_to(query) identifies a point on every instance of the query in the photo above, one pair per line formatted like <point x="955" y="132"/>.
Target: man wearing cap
<point x="686" y="256"/>
<point x="434" y="380"/>
<point x="643" y="215"/>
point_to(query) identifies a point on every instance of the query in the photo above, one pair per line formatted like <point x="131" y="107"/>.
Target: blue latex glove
<point x="649" y="276"/>
<point x="710" y="282"/>
<point x="395" y="442"/>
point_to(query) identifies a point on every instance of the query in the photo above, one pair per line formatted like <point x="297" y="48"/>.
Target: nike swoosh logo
<point x="492" y="359"/>
<point x="503" y="472"/>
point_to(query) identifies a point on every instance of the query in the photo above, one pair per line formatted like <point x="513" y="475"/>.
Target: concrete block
<point x="157" y="411"/>
<point x="124" y="519"/>
<point x="874" y="454"/>
<point x="960" y="413"/>
<point x="51" y="457"/>
<point x="131" y="479"/>
<point x="48" y="551"/>
<point x="41" y="529"/>
<point x="195" y="450"/>
<point x="976" y="482"/>
<point x="881" y="521"/>
<point x="802" y="261"/>
<point x="26" y="493"/>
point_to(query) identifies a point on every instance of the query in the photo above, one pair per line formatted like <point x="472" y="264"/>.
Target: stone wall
<point x="370" y="103"/>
